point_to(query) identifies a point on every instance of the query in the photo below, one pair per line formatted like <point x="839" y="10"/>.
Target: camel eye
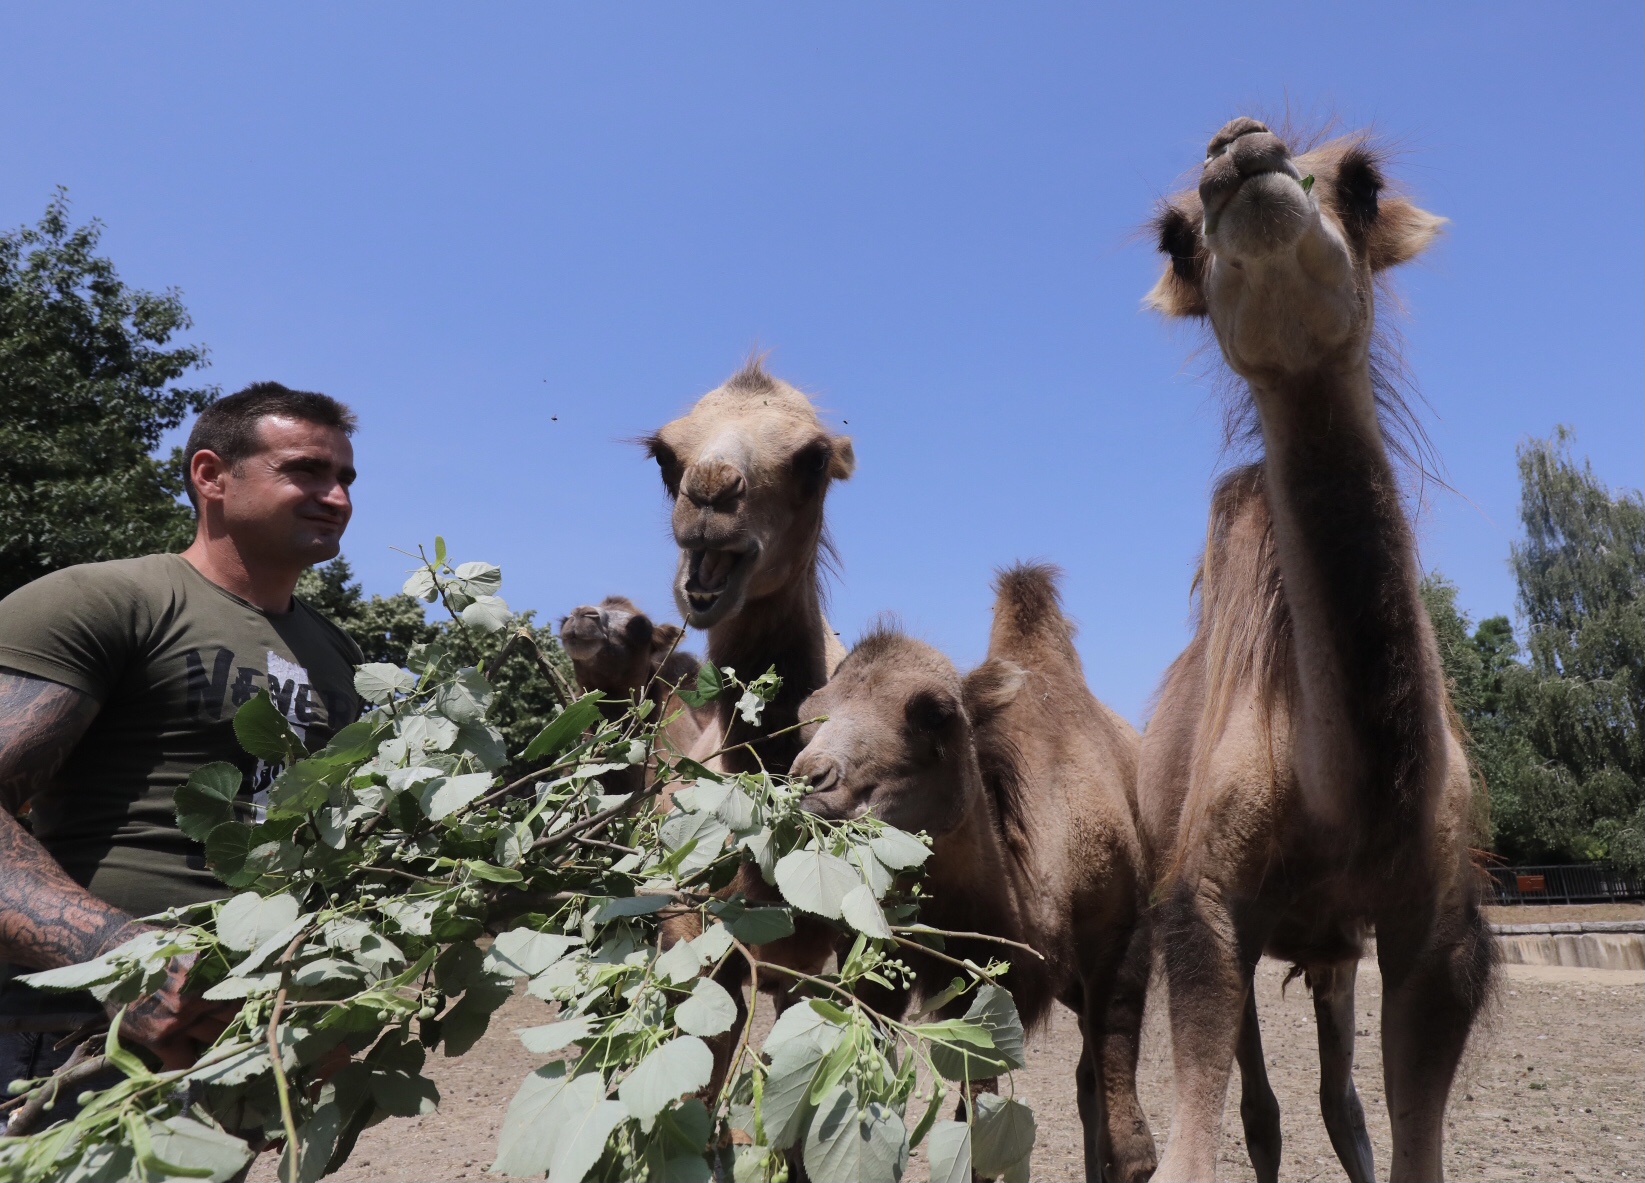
<point x="930" y="714"/>
<point x="811" y="462"/>
<point x="668" y="464"/>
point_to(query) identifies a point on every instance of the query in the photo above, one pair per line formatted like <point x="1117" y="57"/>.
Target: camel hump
<point x="1028" y="611"/>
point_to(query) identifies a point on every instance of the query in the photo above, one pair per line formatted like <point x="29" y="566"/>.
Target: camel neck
<point x="784" y="631"/>
<point x="1367" y="689"/>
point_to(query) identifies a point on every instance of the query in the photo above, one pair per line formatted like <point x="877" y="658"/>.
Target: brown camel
<point x="1026" y="784"/>
<point x="1301" y="782"/>
<point x="617" y="649"/>
<point x="749" y="469"/>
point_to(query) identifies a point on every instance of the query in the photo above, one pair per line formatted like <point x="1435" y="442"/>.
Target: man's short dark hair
<point x="228" y="426"/>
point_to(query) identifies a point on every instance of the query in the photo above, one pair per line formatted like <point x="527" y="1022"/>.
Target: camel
<point x="1302" y="782"/>
<point x="617" y="649"/>
<point x="749" y="469"/>
<point x="1026" y="784"/>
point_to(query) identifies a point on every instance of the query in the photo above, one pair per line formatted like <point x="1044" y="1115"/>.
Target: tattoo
<point x="46" y="918"/>
<point x="40" y="722"/>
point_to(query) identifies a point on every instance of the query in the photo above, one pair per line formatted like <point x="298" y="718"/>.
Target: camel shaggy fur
<point x="1026" y="784"/>
<point x="1301" y="782"/>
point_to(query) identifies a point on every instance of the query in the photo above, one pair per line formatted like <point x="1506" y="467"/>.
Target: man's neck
<point x="222" y="562"/>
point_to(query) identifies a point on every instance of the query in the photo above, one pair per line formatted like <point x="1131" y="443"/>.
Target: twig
<point x="581" y="840"/>
<point x="78" y="1067"/>
<point x="954" y="961"/>
<point x="496" y="663"/>
<point x="605" y="815"/>
<point x="749" y="743"/>
<point x="748" y="1022"/>
<point x="562" y="690"/>
<point x="975" y="936"/>
<point x="281" y="1086"/>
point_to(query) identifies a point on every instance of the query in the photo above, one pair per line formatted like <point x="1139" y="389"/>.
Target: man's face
<point x="288" y="502"/>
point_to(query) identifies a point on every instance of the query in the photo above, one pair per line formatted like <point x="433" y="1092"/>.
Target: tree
<point x="1580" y="702"/>
<point x="87" y="390"/>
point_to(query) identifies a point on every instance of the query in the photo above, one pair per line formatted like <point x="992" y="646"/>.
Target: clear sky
<point x="514" y="235"/>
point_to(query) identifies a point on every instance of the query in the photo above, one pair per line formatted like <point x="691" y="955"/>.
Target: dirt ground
<point x="1553" y="1087"/>
<point x="1561" y="913"/>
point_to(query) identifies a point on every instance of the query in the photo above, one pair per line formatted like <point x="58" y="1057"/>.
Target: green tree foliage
<point x="87" y="389"/>
<point x="367" y="891"/>
<point x="533" y="681"/>
<point x="1580" y="704"/>
<point x="1557" y="736"/>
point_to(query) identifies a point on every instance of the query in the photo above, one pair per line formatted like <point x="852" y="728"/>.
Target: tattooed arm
<point x="46" y="918"/>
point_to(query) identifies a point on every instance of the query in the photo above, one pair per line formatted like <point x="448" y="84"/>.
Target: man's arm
<point x="46" y="918"/>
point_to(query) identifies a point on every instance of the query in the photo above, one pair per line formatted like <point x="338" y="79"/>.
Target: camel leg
<point x="1333" y="987"/>
<point x="1207" y="991"/>
<point x="1435" y="979"/>
<point x="1258" y="1107"/>
<point x="1124" y="1143"/>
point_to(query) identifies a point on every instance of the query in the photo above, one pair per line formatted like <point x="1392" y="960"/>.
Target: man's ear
<point x="990" y="688"/>
<point x="206" y="471"/>
<point x="664" y="637"/>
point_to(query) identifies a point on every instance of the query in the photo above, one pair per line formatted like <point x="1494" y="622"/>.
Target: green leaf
<point x="264" y="732"/>
<point x="479" y="579"/>
<point x="207" y="800"/>
<point x="465" y="697"/>
<point x="445" y="795"/>
<point x="489" y="614"/>
<point x="753" y="926"/>
<point x="678" y="964"/>
<point x="793" y="1064"/>
<point x="551" y="1037"/>
<point x="709" y="1011"/>
<point x="420" y="585"/>
<point x="227" y="848"/>
<point x="829" y="1011"/>
<point x="302" y="788"/>
<point x="248" y="919"/>
<point x="941" y="999"/>
<point x="1002" y="1135"/>
<point x="994" y="1011"/>
<point x="862" y="912"/>
<point x="490" y="873"/>
<point x="832" y="1069"/>
<point x="816" y="881"/>
<point x="316" y="1138"/>
<point x="1307" y="182"/>
<point x="199" y="1150"/>
<point x="898" y="850"/>
<point x="379" y="682"/>
<point x="556" y="1126"/>
<point x="950" y="1152"/>
<point x="565" y="727"/>
<point x="617" y="907"/>
<point x="868" y="1145"/>
<point x="682" y="1065"/>
<point x="522" y="951"/>
<point x="709" y="686"/>
<point x="932" y="1112"/>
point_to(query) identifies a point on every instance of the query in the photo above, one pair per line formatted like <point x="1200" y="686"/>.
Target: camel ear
<point x="664" y="636"/>
<point x="1177" y="236"/>
<point x="1401" y="232"/>
<point x="842" y="459"/>
<point x="990" y="688"/>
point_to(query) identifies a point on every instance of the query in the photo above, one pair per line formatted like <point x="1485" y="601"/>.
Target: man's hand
<point x="174" y="1025"/>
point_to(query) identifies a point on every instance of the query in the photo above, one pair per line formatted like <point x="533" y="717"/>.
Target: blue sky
<point x="514" y="235"/>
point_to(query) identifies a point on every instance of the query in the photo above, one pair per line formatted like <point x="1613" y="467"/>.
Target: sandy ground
<point x="1560" y="913"/>
<point x="1553" y="1087"/>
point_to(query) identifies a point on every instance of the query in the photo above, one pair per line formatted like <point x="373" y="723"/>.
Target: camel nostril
<point x="1231" y="131"/>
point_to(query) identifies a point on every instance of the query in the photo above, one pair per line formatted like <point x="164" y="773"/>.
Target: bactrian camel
<point x="1026" y="784"/>
<point x="1302" y="784"/>
<point x="616" y="649"/>
<point x="749" y="468"/>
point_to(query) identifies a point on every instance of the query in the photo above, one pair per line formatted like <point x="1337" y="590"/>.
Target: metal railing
<point x="1583" y="883"/>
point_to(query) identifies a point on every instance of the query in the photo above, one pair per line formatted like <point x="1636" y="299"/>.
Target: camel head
<point x="900" y="735"/>
<point x="614" y="646"/>
<point x="1280" y="252"/>
<point x="748" y="469"/>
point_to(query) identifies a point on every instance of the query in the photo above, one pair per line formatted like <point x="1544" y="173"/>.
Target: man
<point x="118" y="679"/>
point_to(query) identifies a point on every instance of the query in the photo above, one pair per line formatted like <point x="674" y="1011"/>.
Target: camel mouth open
<point x="711" y="581"/>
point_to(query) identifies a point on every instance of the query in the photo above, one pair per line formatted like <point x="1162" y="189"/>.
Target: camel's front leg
<point x="1434" y="981"/>
<point x="1258" y="1107"/>
<point x="1207" y="989"/>
<point x="1333" y="987"/>
<point x="1126" y="1144"/>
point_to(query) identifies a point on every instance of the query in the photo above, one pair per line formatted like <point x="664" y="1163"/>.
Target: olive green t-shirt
<point x="169" y="656"/>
